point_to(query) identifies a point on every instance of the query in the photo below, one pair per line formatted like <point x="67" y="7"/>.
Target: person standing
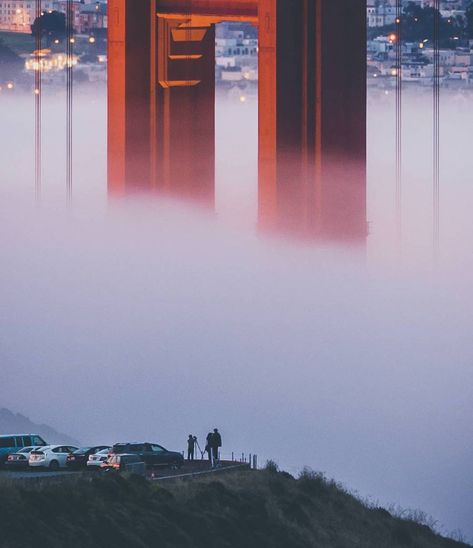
<point x="209" y="445"/>
<point x="191" y="441"/>
<point x="216" y="444"/>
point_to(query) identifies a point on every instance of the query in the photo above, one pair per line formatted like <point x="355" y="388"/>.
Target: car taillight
<point x="10" y="457"/>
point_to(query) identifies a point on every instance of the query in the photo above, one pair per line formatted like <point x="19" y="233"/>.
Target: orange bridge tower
<point x="312" y="106"/>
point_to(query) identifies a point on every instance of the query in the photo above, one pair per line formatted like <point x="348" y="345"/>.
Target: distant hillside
<point x="252" y="509"/>
<point x="14" y="423"/>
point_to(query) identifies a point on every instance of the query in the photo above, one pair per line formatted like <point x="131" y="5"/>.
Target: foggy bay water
<point x="151" y="319"/>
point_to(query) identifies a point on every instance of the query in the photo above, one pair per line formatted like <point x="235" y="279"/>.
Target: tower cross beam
<point x="213" y="8"/>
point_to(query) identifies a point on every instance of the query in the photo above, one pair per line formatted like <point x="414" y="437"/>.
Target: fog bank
<point x="148" y="318"/>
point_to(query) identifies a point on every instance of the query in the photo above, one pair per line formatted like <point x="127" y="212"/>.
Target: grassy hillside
<point x="244" y="510"/>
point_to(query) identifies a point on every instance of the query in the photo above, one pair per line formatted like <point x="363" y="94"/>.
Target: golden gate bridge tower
<point x="311" y="101"/>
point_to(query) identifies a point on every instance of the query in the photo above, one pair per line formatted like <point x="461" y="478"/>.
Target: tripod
<point x="200" y="449"/>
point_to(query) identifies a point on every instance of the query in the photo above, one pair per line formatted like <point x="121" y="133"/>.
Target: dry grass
<point x="238" y="510"/>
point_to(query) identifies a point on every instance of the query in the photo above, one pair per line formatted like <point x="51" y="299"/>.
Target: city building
<point x="236" y="55"/>
<point x="19" y="15"/>
<point x="92" y="16"/>
<point x="61" y="5"/>
<point x="380" y="13"/>
<point x="383" y="12"/>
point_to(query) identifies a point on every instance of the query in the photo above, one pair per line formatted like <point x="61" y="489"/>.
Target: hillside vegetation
<point x="18" y="42"/>
<point x="240" y="510"/>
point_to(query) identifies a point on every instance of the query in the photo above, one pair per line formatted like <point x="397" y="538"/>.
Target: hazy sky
<point x="153" y="320"/>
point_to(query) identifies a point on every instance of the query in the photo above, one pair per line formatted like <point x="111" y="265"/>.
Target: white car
<point x="51" y="456"/>
<point x="95" y="461"/>
<point x="19" y="460"/>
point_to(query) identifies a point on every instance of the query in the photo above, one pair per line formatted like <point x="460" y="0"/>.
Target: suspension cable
<point x="37" y="100"/>
<point x="398" y="72"/>
<point x="436" y="130"/>
<point x="69" y="93"/>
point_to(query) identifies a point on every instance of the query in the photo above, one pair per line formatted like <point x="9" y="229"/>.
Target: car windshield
<point x="42" y="449"/>
<point x="103" y="451"/>
<point x="82" y="450"/>
<point x="26" y="450"/>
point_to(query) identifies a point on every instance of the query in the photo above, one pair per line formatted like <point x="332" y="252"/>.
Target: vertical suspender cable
<point x="37" y="100"/>
<point x="69" y="94"/>
<point x="436" y="130"/>
<point x="398" y="72"/>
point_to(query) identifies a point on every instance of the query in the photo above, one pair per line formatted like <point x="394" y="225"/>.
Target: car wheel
<point x="54" y="465"/>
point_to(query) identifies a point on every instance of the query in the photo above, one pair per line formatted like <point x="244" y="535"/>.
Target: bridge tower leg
<point x="312" y="117"/>
<point x="161" y="102"/>
<point x="130" y="93"/>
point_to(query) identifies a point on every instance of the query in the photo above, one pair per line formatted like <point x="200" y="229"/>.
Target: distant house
<point x="380" y="13"/>
<point x="19" y="15"/>
<point x="93" y="16"/>
<point x="86" y="15"/>
<point x="61" y="5"/>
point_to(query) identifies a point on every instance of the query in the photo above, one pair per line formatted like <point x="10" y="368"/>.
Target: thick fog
<point x="150" y="319"/>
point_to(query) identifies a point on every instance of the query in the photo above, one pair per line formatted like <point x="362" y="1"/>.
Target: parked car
<point x="19" y="460"/>
<point x="95" y="461"/>
<point x="13" y="442"/>
<point x="124" y="462"/>
<point x="79" y="458"/>
<point x="152" y="454"/>
<point x="51" y="456"/>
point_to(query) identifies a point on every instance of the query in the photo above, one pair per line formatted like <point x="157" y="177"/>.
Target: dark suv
<point x="124" y="463"/>
<point x="152" y="454"/>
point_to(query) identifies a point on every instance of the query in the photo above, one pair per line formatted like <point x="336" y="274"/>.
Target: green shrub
<point x="271" y="466"/>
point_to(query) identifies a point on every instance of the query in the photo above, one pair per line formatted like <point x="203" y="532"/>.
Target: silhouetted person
<point x="215" y="444"/>
<point x="208" y="445"/>
<point x="191" y="441"/>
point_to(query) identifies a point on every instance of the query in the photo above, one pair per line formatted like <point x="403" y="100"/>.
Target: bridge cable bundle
<point x="37" y="98"/>
<point x="398" y="199"/>
<point x="436" y="129"/>
<point x="69" y="93"/>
